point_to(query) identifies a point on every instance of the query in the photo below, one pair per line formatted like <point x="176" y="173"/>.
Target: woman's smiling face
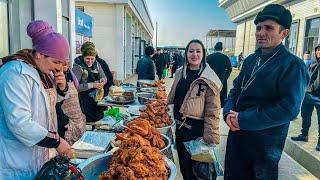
<point x="195" y="55"/>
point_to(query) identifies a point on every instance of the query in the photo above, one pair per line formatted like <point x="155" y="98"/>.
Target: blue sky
<point x="179" y="21"/>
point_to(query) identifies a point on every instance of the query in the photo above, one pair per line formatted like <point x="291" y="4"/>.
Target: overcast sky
<point x="179" y="21"/>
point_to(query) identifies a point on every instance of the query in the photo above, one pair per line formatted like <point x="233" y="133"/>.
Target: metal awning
<point x="221" y="33"/>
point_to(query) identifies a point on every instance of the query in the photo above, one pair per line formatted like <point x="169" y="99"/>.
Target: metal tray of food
<point x="124" y="101"/>
<point x="135" y="110"/>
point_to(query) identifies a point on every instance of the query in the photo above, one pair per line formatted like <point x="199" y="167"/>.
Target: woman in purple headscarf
<point x="29" y="83"/>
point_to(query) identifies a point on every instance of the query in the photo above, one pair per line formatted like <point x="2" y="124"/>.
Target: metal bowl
<point x="143" y="97"/>
<point x="149" y="89"/>
<point x="145" y="83"/>
<point x="165" y="130"/>
<point x="93" y="167"/>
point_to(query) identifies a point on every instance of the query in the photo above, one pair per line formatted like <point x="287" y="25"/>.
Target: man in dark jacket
<point x="145" y="67"/>
<point x="265" y="97"/>
<point x="160" y="62"/>
<point x="311" y="101"/>
<point x="221" y="65"/>
<point x="167" y="57"/>
<point x="177" y="61"/>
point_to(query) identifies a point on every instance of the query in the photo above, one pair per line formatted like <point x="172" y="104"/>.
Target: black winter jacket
<point x="221" y="65"/>
<point x="273" y="95"/>
<point x="145" y="69"/>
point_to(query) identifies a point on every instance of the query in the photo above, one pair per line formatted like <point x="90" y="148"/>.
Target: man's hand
<point x="232" y="121"/>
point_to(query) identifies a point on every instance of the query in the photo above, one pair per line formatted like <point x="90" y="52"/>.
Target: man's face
<point x="318" y="52"/>
<point x="306" y="56"/>
<point x="269" y="35"/>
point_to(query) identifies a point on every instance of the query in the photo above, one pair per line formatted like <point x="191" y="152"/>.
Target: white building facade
<point x="15" y="15"/>
<point x="121" y="30"/>
<point x="305" y="28"/>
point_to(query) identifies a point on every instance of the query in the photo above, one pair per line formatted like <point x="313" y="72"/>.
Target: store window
<point x="312" y="35"/>
<point x="4" y="35"/>
<point x="292" y="40"/>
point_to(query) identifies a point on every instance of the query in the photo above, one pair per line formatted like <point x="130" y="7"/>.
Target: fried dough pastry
<point x="139" y="163"/>
<point x="139" y="132"/>
<point x="156" y="113"/>
<point x="158" y="83"/>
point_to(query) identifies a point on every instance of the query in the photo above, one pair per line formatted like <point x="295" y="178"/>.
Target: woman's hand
<point x="98" y="85"/>
<point x="60" y="79"/>
<point x="64" y="148"/>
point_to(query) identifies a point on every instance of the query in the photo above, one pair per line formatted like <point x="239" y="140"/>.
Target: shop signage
<point x="83" y="23"/>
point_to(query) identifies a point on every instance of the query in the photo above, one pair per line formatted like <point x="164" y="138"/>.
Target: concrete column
<point x="119" y="42"/>
<point x="128" y="45"/>
<point x="50" y="11"/>
<point x="72" y="21"/>
<point x="19" y="18"/>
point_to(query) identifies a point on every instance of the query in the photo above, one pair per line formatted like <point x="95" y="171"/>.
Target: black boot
<point x="318" y="145"/>
<point x="301" y="137"/>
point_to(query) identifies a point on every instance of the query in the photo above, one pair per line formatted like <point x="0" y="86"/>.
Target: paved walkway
<point x="288" y="168"/>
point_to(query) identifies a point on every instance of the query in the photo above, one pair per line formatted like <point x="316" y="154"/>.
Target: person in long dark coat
<point x="311" y="101"/>
<point x="221" y="65"/>
<point x="160" y="63"/>
<point x="145" y="66"/>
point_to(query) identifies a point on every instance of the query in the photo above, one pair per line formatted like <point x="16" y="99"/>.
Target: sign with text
<point x="83" y="23"/>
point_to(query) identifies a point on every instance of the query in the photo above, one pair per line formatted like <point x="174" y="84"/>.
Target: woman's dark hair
<point x="26" y="55"/>
<point x="149" y="50"/>
<point x="203" y="61"/>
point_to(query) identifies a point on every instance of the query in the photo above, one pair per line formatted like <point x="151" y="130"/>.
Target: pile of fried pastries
<point x="139" y="156"/>
<point x="139" y="132"/>
<point x="134" y="163"/>
<point x="161" y="93"/>
<point x="158" y="83"/>
<point x="156" y="113"/>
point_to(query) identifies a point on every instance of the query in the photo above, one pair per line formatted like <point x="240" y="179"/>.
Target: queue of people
<point x="46" y="108"/>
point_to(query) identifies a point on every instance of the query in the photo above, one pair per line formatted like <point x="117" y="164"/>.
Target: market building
<point x="305" y="29"/>
<point x="120" y="30"/>
<point x="227" y="37"/>
<point x="16" y="14"/>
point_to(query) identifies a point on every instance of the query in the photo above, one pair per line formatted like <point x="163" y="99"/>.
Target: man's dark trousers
<point x="254" y="154"/>
<point x="306" y="113"/>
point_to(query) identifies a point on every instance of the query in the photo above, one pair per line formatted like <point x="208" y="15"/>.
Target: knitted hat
<point x="88" y="49"/>
<point x="277" y="13"/>
<point x="46" y="41"/>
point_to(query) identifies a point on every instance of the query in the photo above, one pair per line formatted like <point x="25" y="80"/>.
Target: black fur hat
<point x="277" y="13"/>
